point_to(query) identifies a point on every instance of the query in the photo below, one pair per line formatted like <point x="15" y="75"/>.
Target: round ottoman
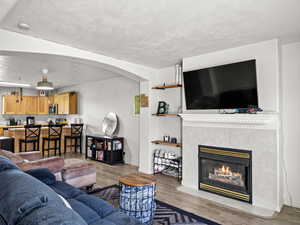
<point x="137" y="196"/>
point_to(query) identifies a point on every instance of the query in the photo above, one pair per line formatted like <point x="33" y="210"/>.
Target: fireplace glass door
<point x="226" y="172"/>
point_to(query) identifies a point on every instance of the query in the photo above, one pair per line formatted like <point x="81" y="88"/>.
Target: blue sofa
<point x="32" y="198"/>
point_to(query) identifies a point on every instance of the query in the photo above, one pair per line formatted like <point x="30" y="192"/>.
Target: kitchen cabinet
<point x="30" y="105"/>
<point x="43" y="105"/>
<point x="20" y="105"/>
<point x="9" y="104"/>
<point x="39" y="105"/>
<point x="66" y="103"/>
<point x="13" y="104"/>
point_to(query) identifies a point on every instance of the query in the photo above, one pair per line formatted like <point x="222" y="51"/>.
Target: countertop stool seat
<point x="32" y="136"/>
<point x="137" y="196"/>
<point x="76" y="137"/>
<point x="53" y="139"/>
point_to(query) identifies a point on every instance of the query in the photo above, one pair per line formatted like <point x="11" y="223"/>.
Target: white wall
<point x="267" y="66"/>
<point x="98" y="98"/>
<point x="291" y="121"/>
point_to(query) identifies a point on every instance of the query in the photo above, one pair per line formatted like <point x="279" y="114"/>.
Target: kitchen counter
<point x="5" y="127"/>
<point x="19" y="133"/>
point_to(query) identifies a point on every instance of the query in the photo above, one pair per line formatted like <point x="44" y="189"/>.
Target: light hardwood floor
<point x="166" y="191"/>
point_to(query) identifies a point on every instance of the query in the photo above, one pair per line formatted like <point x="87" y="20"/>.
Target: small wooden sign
<point x="144" y="101"/>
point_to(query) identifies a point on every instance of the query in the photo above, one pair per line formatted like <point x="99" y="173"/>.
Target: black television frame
<point x="184" y="93"/>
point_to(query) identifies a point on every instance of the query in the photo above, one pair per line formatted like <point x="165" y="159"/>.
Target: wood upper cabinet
<point x="9" y="104"/>
<point x="43" y="105"/>
<point x="21" y="105"/>
<point x="66" y="103"/>
<point x="31" y="105"/>
<point x="13" y="104"/>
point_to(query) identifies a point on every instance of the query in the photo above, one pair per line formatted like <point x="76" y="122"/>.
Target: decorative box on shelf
<point x="105" y="149"/>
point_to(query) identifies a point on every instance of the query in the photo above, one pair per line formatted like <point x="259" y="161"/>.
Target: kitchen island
<point x="19" y="133"/>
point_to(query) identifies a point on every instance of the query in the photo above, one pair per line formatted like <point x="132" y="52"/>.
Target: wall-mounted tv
<point x="230" y="86"/>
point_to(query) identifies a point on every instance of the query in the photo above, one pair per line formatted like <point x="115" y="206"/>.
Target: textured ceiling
<point x="27" y="68"/>
<point x="156" y="33"/>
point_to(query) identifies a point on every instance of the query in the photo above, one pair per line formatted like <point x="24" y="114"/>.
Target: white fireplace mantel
<point x="250" y="121"/>
<point x="258" y="133"/>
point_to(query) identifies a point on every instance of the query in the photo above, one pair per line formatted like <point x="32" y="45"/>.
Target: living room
<point x="124" y="61"/>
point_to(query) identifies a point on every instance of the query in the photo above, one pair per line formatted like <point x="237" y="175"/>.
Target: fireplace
<point x="226" y="172"/>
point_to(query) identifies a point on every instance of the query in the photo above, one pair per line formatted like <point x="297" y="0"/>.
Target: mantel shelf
<point x="259" y="121"/>
<point x="158" y="142"/>
<point x="165" y="114"/>
<point x="163" y="87"/>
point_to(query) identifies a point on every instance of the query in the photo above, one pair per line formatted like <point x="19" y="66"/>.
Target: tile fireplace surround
<point x="258" y="133"/>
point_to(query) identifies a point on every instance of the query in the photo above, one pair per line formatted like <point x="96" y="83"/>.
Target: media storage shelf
<point x="109" y="150"/>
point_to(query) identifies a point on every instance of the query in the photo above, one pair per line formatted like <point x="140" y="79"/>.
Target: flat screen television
<point x="230" y="86"/>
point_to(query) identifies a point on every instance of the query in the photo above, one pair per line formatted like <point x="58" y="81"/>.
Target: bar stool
<point x="32" y="136"/>
<point x="54" y="136"/>
<point x="76" y="135"/>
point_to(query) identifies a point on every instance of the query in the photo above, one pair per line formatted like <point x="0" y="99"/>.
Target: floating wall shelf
<point x="163" y="87"/>
<point x="158" y="142"/>
<point x="165" y="114"/>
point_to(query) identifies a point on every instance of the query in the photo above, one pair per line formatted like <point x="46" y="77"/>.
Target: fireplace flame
<point x="226" y="170"/>
<point x="225" y="174"/>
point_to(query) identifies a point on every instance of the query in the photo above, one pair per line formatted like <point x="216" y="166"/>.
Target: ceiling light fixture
<point x="13" y="84"/>
<point x="23" y="26"/>
<point x="44" y="84"/>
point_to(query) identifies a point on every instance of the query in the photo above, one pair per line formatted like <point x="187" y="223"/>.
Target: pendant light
<point x="44" y="84"/>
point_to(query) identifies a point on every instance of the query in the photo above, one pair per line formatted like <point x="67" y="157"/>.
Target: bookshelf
<point x="109" y="150"/>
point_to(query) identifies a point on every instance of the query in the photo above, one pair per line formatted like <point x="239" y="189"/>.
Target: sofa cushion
<point x="66" y="190"/>
<point x="120" y="218"/>
<point x="13" y="157"/>
<point x="88" y="214"/>
<point x="6" y="164"/>
<point x="42" y="174"/>
<point x="29" y="201"/>
<point x="101" y="207"/>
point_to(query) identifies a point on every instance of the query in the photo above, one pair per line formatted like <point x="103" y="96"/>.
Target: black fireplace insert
<point x="226" y="172"/>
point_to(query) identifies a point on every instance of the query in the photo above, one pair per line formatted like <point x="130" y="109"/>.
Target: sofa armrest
<point x="31" y="156"/>
<point x="54" y="164"/>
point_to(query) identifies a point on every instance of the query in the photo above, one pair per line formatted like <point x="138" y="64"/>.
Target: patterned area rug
<point x="165" y="214"/>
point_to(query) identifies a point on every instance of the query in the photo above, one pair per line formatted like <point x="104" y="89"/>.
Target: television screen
<point x="231" y="86"/>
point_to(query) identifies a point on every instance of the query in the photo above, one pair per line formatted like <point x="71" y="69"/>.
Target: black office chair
<point x="32" y="136"/>
<point x="76" y="135"/>
<point x="54" y="136"/>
